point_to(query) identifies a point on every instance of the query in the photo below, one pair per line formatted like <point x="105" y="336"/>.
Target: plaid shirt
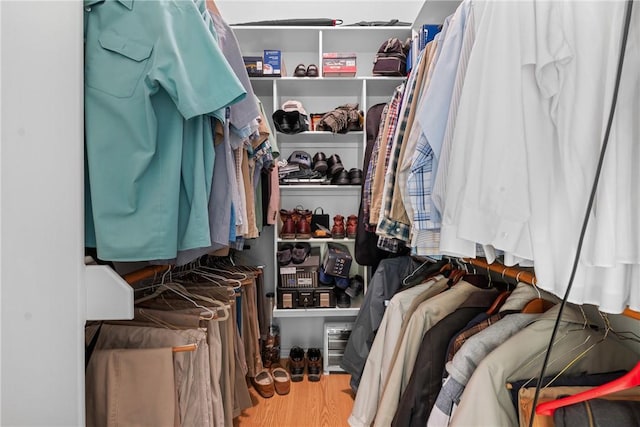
<point x="388" y="227"/>
<point x="371" y="170"/>
<point x="387" y="138"/>
<point x="463" y="336"/>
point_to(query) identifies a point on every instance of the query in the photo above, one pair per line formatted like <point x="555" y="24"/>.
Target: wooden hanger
<point x="497" y="303"/>
<point x="537" y="305"/>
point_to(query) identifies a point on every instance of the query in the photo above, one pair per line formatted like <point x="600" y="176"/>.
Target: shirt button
<point x="88" y="9"/>
<point x="398" y="230"/>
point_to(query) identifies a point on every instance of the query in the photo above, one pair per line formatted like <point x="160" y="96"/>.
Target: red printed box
<point x="335" y="64"/>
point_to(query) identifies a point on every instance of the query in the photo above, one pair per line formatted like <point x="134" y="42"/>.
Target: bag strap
<point x="316" y="210"/>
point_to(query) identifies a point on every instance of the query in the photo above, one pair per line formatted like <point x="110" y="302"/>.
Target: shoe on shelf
<point x="296" y="364"/>
<point x="300" y="252"/>
<point x="288" y="230"/>
<point x="355" y="176"/>
<point x="263" y="383"/>
<point x="312" y="70"/>
<point x="352" y="226"/>
<point x="356" y="284"/>
<point x="341" y="178"/>
<point x="314" y="364"/>
<point x="300" y="71"/>
<point x="303" y="223"/>
<point x="337" y="231"/>
<point x="320" y="162"/>
<point x="284" y="254"/>
<point x="342" y="299"/>
<point x="335" y="165"/>
<point x="281" y="380"/>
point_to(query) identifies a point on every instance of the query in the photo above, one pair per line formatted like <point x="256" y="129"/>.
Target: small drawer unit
<point x="336" y="335"/>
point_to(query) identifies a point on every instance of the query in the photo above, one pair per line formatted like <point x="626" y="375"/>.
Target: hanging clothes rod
<point x="522" y="276"/>
<point x="145" y="273"/>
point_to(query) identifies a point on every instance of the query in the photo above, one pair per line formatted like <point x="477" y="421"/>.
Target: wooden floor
<point x="326" y="403"/>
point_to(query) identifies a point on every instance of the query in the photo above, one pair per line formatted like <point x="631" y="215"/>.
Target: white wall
<point x="43" y="305"/>
<point x="351" y="11"/>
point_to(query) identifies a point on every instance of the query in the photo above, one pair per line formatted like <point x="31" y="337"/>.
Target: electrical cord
<point x="592" y="196"/>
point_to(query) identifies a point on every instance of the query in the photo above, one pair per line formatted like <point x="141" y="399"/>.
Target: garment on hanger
<point x="129" y="226"/>
<point x="520" y="357"/>
<point x="131" y="387"/>
<point x="383" y="285"/>
<point x="378" y="363"/>
<point x="463" y="364"/>
<point x="425" y="383"/>
<point x="428" y="314"/>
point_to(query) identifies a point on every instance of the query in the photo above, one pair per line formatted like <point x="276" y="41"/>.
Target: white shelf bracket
<point x="109" y="296"/>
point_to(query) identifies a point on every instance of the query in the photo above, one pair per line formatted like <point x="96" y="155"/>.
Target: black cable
<point x="592" y="196"/>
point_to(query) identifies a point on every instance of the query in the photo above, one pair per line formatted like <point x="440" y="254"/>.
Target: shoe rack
<point x="305" y="45"/>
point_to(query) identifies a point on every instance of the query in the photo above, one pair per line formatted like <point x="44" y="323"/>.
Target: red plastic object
<point x="625" y="382"/>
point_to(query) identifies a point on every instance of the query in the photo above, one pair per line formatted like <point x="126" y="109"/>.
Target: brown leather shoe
<point x="352" y="226"/>
<point x="281" y="380"/>
<point x="337" y="231"/>
<point x="314" y="364"/>
<point x="288" y="230"/>
<point x="263" y="383"/>
<point x="303" y="226"/>
<point x="296" y="363"/>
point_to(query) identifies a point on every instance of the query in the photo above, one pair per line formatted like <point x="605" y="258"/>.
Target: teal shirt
<point x="153" y="75"/>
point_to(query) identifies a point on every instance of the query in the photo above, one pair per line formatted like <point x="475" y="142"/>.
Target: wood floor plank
<point x="326" y="403"/>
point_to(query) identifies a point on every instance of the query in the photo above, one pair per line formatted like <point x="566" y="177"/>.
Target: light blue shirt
<point x="433" y="112"/>
<point x="153" y="70"/>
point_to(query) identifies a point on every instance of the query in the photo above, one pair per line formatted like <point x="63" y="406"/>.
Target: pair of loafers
<point x="352" y="177"/>
<point x="296" y="254"/>
<point x="268" y="382"/>
<point x="302" y="71"/>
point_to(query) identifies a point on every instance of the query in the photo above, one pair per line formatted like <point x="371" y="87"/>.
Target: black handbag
<point x="319" y="219"/>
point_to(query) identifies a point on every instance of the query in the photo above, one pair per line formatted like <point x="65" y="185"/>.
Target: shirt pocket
<point x="117" y="65"/>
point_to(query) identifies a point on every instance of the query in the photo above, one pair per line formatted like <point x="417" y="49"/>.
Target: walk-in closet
<point x="243" y="213"/>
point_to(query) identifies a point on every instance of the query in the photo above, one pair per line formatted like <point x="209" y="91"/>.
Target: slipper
<point x="300" y="71"/>
<point x="312" y="70"/>
<point x="281" y="380"/>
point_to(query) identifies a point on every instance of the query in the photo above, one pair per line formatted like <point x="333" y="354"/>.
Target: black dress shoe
<point x="342" y="178"/>
<point x="343" y="300"/>
<point x="320" y="162"/>
<point x="355" y="176"/>
<point x="335" y="165"/>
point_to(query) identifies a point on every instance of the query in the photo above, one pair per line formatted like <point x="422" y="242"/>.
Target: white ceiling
<point x="350" y="11"/>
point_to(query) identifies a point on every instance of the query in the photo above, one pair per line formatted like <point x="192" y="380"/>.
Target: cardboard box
<point x="253" y="64"/>
<point x="272" y="65"/>
<point x="304" y="275"/>
<point x="335" y="64"/>
<point x="337" y="260"/>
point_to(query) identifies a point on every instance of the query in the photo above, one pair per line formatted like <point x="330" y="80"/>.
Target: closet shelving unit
<point x="305" y="45"/>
